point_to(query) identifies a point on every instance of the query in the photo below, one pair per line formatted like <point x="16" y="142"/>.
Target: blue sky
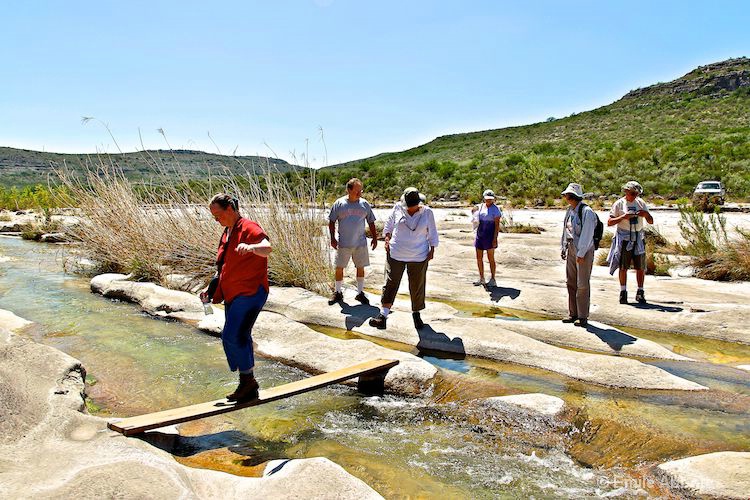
<point x="264" y="77"/>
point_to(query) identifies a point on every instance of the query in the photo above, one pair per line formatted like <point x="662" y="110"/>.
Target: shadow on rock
<point x="357" y="315"/>
<point x="613" y="338"/>
<point x="498" y="292"/>
<point x="432" y="342"/>
<point x="656" y="307"/>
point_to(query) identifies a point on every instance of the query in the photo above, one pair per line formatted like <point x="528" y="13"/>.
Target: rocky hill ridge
<point x="711" y="79"/>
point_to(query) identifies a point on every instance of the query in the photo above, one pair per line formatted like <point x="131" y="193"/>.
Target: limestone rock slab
<point x="52" y="449"/>
<point x="479" y="337"/>
<point x="724" y="474"/>
<point x="543" y="404"/>
<point x="276" y="336"/>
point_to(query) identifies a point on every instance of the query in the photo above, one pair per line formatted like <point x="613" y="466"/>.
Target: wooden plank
<point x="142" y="423"/>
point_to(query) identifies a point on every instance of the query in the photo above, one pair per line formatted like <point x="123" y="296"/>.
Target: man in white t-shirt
<point x="628" y="245"/>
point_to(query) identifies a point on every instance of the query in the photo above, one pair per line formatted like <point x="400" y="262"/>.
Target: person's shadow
<point x="655" y="307"/>
<point x="431" y="342"/>
<point x="356" y="315"/>
<point x="613" y="338"/>
<point x="498" y="292"/>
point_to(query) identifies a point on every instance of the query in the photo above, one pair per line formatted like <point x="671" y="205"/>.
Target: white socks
<point x="384" y="311"/>
<point x="338" y="285"/>
<point x="360" y="284"/>
<point x="623" y="288"/>
<point x="640" y="288"/>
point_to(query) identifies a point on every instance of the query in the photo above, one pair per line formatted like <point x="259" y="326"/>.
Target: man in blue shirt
<point x="351" y="212"/>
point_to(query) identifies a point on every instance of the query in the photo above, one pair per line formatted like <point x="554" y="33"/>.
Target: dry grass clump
<point x="508" y="225"/>
<point x="164" y="227"/>
<point x="715" y="255"/>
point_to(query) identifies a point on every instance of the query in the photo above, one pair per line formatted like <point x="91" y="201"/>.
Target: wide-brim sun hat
<point x="412" y="197"/>
<point x="633" y="186"/>
<point x="573" y="188"/>
<point x="488" y="194"/>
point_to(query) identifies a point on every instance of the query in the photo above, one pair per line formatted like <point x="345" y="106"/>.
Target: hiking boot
<point x="418" y="323"/>
<point x="570" y="319"/>
<point x="246" y="391"/>
<point x="491" y="282"/>
<point x="640" y="297"/>
<point x="582" y="322"/>
<point x="623" y="296"/>
<point x="336" y="297"/>
<point x="378" y="322"/>
<point x="362" y="298"/>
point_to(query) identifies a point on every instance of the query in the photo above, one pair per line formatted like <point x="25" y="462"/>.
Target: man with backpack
<point x="577" y="247"/>
<point x="628" y="244"/>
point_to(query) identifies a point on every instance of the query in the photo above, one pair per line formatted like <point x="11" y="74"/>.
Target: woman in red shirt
<point x="242" y="262"/>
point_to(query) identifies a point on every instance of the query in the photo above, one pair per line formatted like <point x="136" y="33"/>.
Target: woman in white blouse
<point x="410" y="240"/>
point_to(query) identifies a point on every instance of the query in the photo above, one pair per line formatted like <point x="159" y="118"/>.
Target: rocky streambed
<point x="612" y="401"/>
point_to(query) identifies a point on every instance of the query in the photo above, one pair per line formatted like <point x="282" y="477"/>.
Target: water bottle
<point x="207" y="309"/>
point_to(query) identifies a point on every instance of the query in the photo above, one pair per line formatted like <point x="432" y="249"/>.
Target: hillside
<point x="669" y="136"/>
<point x="20" y="167"/>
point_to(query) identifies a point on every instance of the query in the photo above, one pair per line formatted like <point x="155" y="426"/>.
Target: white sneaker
<point x="491" y="282"/>
<point x="480" y="282"/>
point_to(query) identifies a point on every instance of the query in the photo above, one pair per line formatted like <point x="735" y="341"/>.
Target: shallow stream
<point x="444" y="446"/>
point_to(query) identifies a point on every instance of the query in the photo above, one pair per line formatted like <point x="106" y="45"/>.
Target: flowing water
<point x="445" y="446"/>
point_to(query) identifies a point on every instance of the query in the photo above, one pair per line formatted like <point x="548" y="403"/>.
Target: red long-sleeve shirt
<point x="241" y="274"/>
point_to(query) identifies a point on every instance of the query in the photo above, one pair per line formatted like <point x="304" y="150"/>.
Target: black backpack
<point x="598" y="230"/>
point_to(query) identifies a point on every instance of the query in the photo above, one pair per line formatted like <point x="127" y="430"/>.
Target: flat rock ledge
<point x="481" y="337"/>
<point x="153" y="299"/>
<point x="11" y="322"/>
<point x="277" y="337"/>
<point x="597" y="337"/>
<point x="541" y="404"/>
<point x="724" y="474"/>
<point x="51" y="448"/>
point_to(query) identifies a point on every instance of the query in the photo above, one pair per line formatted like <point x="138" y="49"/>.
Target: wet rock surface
<point x="715" y="475"/>
<point x="531" y="277"/>
<point x="53" y="449"/>
<point x="276" y="336"/>
<point x="477" y="337"/>
<point x="543" y="404"/>
<point x="465" y="336"/>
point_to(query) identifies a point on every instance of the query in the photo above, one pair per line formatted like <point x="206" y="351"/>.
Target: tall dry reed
<point x="716" y="255"/>
<point x="164" y="227"/>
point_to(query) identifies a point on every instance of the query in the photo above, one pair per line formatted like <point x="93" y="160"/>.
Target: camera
<point x="633" y="211"/>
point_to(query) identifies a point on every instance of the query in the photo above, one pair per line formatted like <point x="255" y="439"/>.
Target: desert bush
<point x="703" y="233"/>
<point x="164" y="227"/>
<point x="606" y="241"/>
<point x="715" y="255"/>
<point x="705" y="203"/>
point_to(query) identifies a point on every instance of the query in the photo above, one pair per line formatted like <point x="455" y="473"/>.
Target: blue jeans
<point x="240" y="316"/>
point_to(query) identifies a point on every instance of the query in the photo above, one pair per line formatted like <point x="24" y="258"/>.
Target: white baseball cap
<point x="489" y="194"/>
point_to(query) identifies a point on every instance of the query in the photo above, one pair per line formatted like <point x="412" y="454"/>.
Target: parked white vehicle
<point x="714" y="190"/>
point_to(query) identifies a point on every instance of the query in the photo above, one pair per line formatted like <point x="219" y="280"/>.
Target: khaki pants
<point x="417" y="274"/>
<point x="578" y="277"/>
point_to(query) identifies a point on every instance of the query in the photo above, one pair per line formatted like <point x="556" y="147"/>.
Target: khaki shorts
<point x="359" y="255"/>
